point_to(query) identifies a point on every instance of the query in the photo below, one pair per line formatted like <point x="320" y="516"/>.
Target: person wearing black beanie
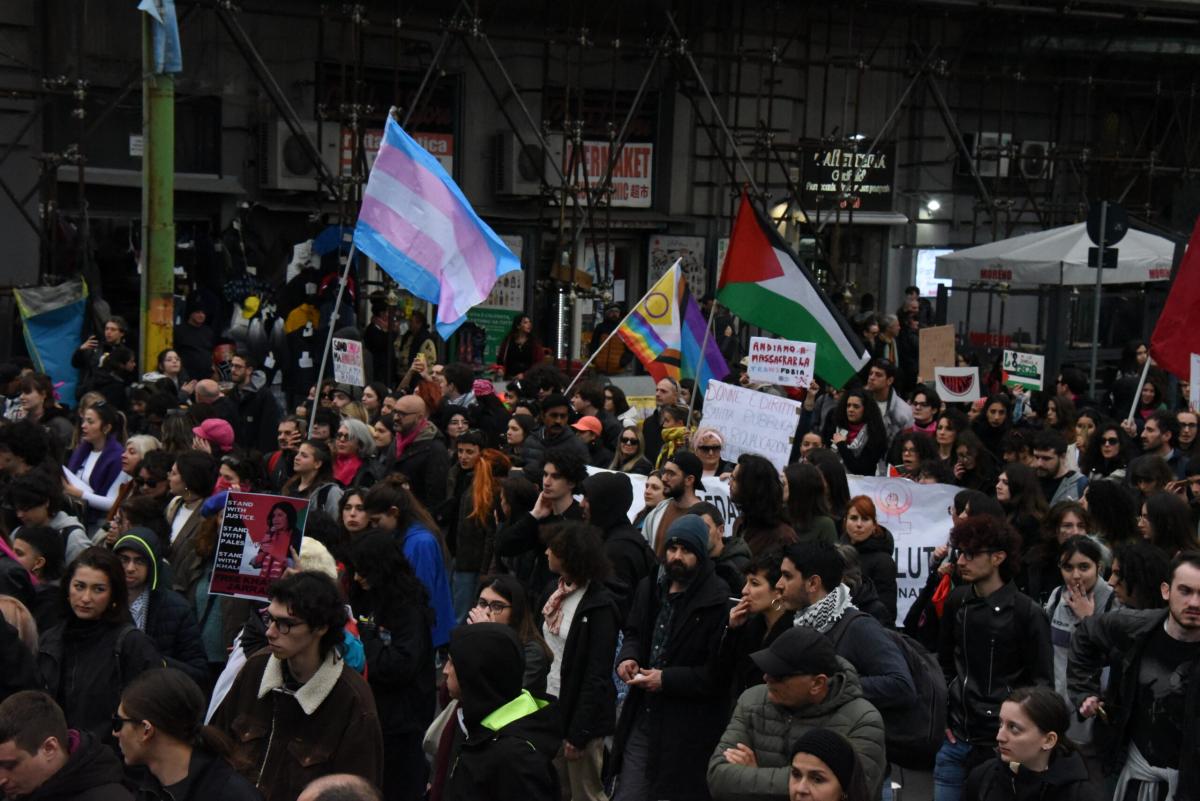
<point x="825" y="751"/>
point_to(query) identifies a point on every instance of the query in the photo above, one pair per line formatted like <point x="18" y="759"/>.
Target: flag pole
<point x="708" y="328"/>
<point x="1137" y="396"/>
<point x="596" y="351"/>
<point x="337" y="303"/>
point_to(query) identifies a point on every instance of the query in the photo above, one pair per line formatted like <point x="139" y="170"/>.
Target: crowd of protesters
<point x="481" y="608"/>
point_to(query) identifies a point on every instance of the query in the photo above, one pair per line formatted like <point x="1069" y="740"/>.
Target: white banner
<point x="781" y="361"/>
<point x="752" y="422"/>
<point x="715" y="492"/>
<point x="916" y="514"/>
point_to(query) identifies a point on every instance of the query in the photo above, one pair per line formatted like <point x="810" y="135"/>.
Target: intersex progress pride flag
<point x="418" y="226"/>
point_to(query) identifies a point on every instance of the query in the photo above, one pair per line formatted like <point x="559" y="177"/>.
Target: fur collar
<point x="314" y="692"/>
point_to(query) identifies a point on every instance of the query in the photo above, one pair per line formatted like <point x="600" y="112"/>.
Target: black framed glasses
<point x="119" y="722"/>
<point x="709" y="448"/>
<point x="495" y="606"/>
<point x="968" y="554"/>
<point x="283" y="625"/>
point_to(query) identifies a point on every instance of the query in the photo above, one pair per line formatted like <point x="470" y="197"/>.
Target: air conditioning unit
<point x="519" y="170"/>
<point x="991" y="153"/>
<point x="284" y="162"/>
<point x="1034" y="160"/>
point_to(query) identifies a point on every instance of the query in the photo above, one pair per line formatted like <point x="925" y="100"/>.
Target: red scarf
<point x="404" y="440"/>
<point x="345" y="468"/>
<point x="552" y="612"/>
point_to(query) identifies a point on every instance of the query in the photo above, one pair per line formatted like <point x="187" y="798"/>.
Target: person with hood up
<point x="160" y="611"/>
<point x="676" y="710"/>
<point x="606" y="501"/>
<point x="506" y="739"/>
<point x="42" y="760"/>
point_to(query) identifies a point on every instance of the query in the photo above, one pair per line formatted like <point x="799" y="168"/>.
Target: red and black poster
<point x="260" y="538"/>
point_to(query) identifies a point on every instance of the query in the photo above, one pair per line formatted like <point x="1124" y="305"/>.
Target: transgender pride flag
<point x="417" y="225"/>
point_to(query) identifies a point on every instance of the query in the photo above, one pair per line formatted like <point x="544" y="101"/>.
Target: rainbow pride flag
<point x="666" y="331"/>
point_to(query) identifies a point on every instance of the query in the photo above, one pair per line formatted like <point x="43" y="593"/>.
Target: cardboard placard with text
<point x="752" y="422"/>
<point x="781" y="361"/>
<point x="348" y="362"/>
<point x="937" y="350"/>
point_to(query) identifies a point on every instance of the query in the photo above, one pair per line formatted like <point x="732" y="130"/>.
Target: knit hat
<point x="216" y="431"/>
<point x="831" y="748"/>
<point x="691" y="532"/>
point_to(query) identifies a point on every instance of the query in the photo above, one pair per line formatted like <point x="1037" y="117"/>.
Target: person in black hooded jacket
<point x="42" y="760"/>
<point x="162" y="613"/>
<point x="395" y="625"/>
<point x="506" y="739"/>
<point x="606" y="501"/>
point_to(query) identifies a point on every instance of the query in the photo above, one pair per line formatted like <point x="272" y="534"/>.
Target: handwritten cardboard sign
<point x="348" y="362"/>
<point x="781" y="361"/>
<point x="937" y="349"/>
<point x="752" y="422"/>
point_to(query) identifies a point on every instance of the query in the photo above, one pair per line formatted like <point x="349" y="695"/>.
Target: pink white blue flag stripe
<point x="418" y="226"/>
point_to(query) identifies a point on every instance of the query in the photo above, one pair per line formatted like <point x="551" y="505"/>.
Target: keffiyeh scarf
<point x="827" y="611"/>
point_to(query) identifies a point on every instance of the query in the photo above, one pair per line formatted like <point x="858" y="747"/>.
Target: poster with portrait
<point x="259" y="539"/>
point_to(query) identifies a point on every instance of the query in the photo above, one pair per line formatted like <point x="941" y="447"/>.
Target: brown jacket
<point x="288" y="739"/>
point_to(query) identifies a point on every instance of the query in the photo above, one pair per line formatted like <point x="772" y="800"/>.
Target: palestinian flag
<point x="767" y="285"/>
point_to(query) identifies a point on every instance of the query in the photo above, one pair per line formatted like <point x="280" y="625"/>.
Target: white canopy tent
<point x="1059" y="256"/>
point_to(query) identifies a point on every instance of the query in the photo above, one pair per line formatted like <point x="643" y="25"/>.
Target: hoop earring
<point x="777" y="605"/>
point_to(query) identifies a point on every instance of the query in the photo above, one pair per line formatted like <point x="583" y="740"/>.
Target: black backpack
<point x="914" y="734"/>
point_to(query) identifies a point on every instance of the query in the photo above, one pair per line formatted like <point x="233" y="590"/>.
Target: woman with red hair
<point x="874" y="545"/>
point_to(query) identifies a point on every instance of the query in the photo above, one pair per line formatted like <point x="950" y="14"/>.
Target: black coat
<point x="989" y="647"/>
<point x="92" y="773"/>
<point x="587" y="698"/>
<point x="609" y="496"/>
<point x="209" y="777"/>
<point x="400" y="671"/>
<point x="172" y="625"/>
<point x="512" y="763"/>
<point x="18" y="670"/>
<point x="878" y="565"/>
<point x="524" y="537"/>
<point x="737" y="668"/>
<point x="258" y="416"/>
<point x="1066" y="779"/>
<point x="687" y="716"/>
<point x="83" y="671"/>
<point x="426" y="462"/>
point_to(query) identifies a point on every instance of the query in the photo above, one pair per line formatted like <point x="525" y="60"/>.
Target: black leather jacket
<point x="988" y="647"/>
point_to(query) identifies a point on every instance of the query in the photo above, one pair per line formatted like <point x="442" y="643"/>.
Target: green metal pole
<point x="158" y="204"/>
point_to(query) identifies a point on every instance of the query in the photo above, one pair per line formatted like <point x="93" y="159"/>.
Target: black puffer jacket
<point x="1065" y="780"/>
<point x="686" y="717"/>
<point x="511" y="738"/>
<point x="92" y="773"/>
<point x="989" y="647"/>
<point x="83" y="670"/>
<point x="878" y="565"/>
<point x="588" y="698"/>
<point x="209" y="777"/>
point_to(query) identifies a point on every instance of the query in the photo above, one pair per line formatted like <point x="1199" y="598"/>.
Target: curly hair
<point x="987" y="533"/>
<point x="315" y="599"/>
<point x="580" y="549"/>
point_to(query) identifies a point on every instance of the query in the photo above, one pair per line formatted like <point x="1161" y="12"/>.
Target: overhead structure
<point x="1059" y="256"/>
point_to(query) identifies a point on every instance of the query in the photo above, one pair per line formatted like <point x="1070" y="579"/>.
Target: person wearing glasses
<point x="708" y="443"/>
<point x="41" y="758"/>
<point x="631" y="453"/>
<point x="96" y="651"/>
<point x="160" y="726"/>
<point x="297" y="712"/>
<point x="504" y="600"/>
<point x="1107" y="454"/>
<point x="988" y="628"/>
<point x="354" y="449"/>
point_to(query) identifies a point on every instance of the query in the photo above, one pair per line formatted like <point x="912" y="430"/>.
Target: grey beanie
<point x="692" y="533"/>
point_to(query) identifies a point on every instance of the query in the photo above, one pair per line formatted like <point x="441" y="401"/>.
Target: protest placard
<point x="957" y="384"/>
<point x="1026" y="370"/>
<point x="936" y="348"/>
<point x="348" y="362"/>
<point x="260" y="537"/>
<point x="915" y="514"/>
<point x="781" y="361"/>
<point x="752" y="422"/>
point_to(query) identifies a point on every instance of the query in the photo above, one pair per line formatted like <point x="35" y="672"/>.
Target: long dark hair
<point x="106" y="562"/>
<point x="1170" y="522"/>
<point x="760" y="495"/>
<point x="836" y="482"/>
<point x="522" y="620"/>
<point x="324" y="474"/>
<point x="391" y="492"/>
<point x="620" y="403"/>
<point x="872" y="419"/>
<point x="806" y="495"/>
<point x="1092" y="459"/>
<point x="379" y="558"/>
<point x="1026" y="497"/>
<point x="174" y="704"/>
<point x="1142" y="568"/>
<point x="1113" y="509"/>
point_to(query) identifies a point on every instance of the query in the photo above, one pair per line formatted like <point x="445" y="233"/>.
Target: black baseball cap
<point x="689" y="463"/>
<point x="799" y="651"/>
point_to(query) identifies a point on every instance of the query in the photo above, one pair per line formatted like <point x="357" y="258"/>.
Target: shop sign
<point x="840" y="178"/>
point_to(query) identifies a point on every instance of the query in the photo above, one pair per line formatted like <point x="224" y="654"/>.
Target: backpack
<point x="914" y="734"/>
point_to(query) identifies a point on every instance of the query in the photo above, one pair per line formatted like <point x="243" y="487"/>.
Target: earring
<point x="777" y="604"/>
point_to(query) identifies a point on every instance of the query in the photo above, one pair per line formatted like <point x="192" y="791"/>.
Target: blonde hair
<point x="143" y="444"/>
<point x="354" y="411"/>
<point x="19" y="618"/>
